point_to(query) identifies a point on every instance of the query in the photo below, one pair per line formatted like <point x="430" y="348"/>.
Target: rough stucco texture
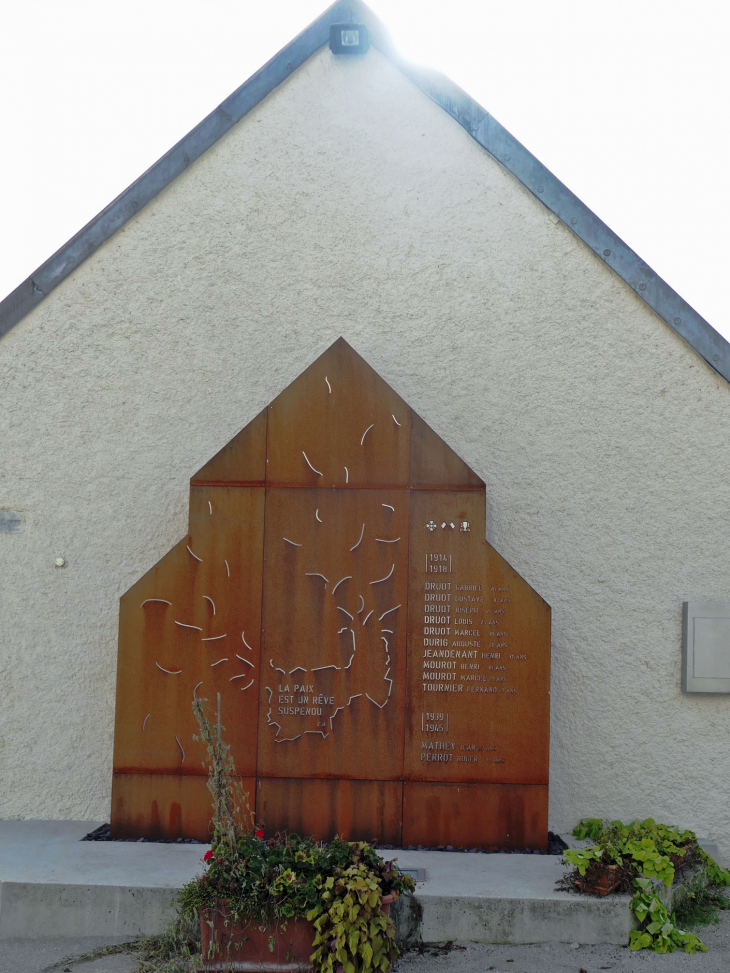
<point x="348" y="204"/>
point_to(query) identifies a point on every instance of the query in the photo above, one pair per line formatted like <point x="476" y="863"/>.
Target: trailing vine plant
<point x="353" y="934"/>
<point x="647" y="853"/>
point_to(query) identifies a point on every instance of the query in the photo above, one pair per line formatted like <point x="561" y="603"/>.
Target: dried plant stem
<point x="231" y="812"/>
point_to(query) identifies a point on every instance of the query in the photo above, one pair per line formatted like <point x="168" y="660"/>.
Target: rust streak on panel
<point x="476" y="815"/>
<point x="170" y="806"/>
<point x="353" y="809"/>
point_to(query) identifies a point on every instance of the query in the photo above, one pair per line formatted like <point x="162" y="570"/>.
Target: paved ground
<point x="35" y="956"/>
<point x="562" y="958"/>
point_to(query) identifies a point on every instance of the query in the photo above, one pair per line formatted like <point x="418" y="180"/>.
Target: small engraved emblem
<point x="445" y="525"/>
<point x="431" y="525"/>
<point x="465" y="525"/>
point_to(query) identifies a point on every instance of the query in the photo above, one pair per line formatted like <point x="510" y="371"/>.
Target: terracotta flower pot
<point x="608" y="880"/>
<point x="248" y="948"/>
<point x="387" y="901"/>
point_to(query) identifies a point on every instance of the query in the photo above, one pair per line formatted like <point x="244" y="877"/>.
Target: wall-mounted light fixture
<point x="349" y="39"/>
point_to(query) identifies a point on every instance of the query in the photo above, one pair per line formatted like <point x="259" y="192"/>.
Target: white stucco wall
<point x="347" y="203"/>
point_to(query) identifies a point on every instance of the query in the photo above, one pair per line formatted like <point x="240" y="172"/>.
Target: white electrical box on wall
<point x="706" y="647"/>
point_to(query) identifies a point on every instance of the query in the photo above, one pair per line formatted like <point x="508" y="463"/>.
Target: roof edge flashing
<point x="165" y="170"/>
<point x="486" y="130"/>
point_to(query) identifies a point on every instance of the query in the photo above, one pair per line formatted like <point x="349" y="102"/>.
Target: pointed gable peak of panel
<point x="338" y="425"/>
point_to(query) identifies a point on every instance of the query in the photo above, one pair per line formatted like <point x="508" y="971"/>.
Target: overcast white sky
<point x="626" y="102"/>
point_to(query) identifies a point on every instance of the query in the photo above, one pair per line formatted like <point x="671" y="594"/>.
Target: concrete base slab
<point x="505" y="899"/>
<point x="54" y="885"/>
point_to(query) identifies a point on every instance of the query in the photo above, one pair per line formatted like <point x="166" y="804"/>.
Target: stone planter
<point x="225" y="947"/>
<point x="247" y="948"/>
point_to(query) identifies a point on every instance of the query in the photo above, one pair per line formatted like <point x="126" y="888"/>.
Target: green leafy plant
<point x="581" y="858"/>
<point x="352" y="932"/>
<point x="701" y="905"/>
<point x="659" y="930"/>
<point x="716" y="874"/>
<point x="644" y="853"/>
<point x="590" y="828"/>
<point x="254" y="881"/>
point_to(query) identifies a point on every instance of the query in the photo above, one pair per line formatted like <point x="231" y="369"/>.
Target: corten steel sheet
<point x="475" y="815"/>
<point x="182" y="629"/>
<point x="354" y="809"/>
<point x="395" y="643"/>
<point x="338" y="425"/>
<point x="478" y="684"/>
<point x="434" y="464"/>
<point x="242" y="461"/>
<point x="333" y="651"/>
<point x="165" y="805"/>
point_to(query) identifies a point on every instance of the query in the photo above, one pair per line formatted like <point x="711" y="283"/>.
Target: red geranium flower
<point x="208" y="855"/>
<point x="259" y="833"/>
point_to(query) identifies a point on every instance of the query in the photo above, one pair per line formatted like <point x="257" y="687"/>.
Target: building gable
<point x="485" y="129"/>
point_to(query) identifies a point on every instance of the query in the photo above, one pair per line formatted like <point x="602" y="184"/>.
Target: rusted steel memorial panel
<point x="382" y="671"/>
